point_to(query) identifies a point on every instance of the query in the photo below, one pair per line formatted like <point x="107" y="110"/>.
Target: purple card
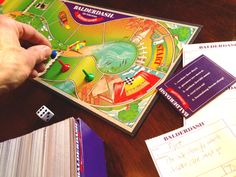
<point x="195" y="85"/>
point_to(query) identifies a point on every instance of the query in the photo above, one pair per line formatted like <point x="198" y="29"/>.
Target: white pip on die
<point x="44" y="113"/>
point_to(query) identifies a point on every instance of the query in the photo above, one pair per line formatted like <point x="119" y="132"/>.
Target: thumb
<point x="39" y="53"/>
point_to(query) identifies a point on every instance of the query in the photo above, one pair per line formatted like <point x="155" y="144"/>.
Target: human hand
<point x="17" y="63"/>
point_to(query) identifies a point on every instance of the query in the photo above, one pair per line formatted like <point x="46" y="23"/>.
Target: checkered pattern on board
<point x="129" y="80"/>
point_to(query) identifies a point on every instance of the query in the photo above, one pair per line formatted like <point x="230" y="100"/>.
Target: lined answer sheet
<point x="204" y="149"/>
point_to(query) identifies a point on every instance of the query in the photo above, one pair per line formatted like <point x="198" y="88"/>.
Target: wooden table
<point x="126" y="156"/>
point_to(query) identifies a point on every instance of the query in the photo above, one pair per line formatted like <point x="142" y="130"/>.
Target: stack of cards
<point x="62" y="149"/>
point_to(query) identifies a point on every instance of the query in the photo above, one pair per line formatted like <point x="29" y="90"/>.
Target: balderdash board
<point x="129" y="55"/>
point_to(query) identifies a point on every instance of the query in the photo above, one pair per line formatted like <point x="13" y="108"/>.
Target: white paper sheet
<point x="204" y="149"/>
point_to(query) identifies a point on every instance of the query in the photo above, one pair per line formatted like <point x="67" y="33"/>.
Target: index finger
<point x="28" y="33"/>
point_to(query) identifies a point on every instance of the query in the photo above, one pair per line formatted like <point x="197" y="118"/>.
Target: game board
<point x="128" y="55"/>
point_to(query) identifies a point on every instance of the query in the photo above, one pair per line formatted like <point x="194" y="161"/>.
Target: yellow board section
<point x="89" y="65"/>
<point x="138" y="84"/>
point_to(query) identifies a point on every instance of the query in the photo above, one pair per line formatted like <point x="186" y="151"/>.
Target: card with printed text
<point x="195" y="85"/>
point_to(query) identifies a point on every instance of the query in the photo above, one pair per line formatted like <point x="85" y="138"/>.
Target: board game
<point x="127" y="55"/>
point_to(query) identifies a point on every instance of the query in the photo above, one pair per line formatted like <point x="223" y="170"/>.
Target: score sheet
<point x="203" y="149"/>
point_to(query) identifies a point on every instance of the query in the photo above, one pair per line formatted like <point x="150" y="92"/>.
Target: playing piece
<point x="44" y="113"/>
<point x="88" y="76"/>
<point x="64" y="67"/>
<point x="53" y="54"/>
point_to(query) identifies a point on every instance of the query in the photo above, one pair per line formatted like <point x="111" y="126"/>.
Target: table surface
<point x="126" y="156"/>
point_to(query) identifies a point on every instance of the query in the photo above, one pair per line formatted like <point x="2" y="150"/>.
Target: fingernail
<point x="46" y="50"/>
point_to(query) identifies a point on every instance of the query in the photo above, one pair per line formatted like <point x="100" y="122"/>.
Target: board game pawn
<point x="64" y="67"/>
<point x="53" y="54"/>
<point x="88" y="76"/>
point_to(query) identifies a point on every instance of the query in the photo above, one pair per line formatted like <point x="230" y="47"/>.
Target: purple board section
<point x="90" y="16"/>
<point x="195" y="85"/>
<point x="92" y="152"/>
